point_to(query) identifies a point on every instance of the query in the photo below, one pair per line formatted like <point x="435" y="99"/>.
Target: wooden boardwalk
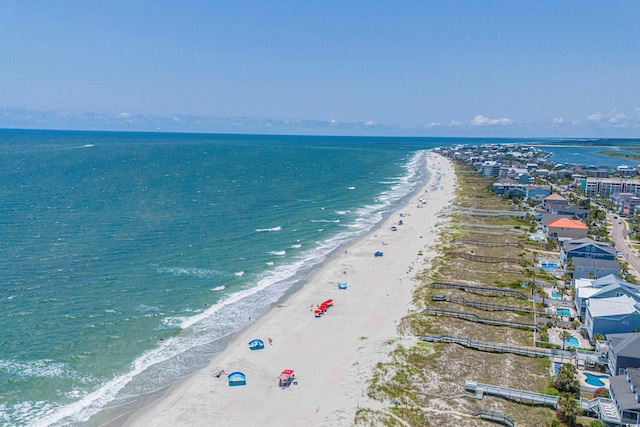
<point x="498" y="417"/>
<point x="512" y="394"/>
<point x="475" y="318"/>
<point x="487" y="306"/>
<point x="482" y="290"/>
<point x="486" y="259"/>
<point x="494" y="347"/>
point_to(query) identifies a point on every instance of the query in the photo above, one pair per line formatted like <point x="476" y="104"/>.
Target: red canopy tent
<point x="286" y="378"/>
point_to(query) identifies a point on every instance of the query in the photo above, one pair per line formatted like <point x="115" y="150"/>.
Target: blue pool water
<point x="563" y="312"/>
<point x="572" y="342"/>
<point x="594" y="380"/>
<point x="555" y="295"/>
<point x="548" y="265"/>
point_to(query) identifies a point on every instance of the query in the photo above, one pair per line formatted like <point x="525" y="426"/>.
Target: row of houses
<point x="611" y="307"/>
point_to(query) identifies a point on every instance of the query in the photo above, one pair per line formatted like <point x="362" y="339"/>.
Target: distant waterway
<point x="592" y="155"/>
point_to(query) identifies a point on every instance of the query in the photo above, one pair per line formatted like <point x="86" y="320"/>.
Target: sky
<point x="543" y="68"/>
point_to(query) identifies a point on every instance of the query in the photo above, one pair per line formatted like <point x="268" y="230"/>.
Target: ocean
<point x="128" y="259"/>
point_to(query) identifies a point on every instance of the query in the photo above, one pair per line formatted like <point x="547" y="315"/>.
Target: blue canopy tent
<point x="237" y="378"/>
<point x="378" y="253"/>
<point x="256" y="344"/>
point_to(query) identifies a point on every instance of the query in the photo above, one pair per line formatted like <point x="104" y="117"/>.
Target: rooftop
<point x="555" y="196"/>
<point x="626" y="345"/>
<point x="603" y="307"/>
<point x="567" y="223"/>
<point x="625" y="399"/>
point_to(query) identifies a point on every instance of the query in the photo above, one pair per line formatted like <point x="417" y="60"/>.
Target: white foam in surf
<point x="191" y="271"/>
<point x="260" y="230"/>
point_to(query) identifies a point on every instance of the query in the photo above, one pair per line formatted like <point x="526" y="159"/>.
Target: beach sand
<point x="332" y="356"/>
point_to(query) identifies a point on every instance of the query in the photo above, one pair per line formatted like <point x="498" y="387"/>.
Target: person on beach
<point x="270" y="341"/>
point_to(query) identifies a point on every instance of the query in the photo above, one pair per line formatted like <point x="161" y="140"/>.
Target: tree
<point x="597" y="423"/>
<point x="598" y="337"/>
<point x="568" y="410"/>
<point x="566" y="380"/>
<point x="564" y="336"/>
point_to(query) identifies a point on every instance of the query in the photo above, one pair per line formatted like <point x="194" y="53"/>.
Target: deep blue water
<point x="110" y="242"/>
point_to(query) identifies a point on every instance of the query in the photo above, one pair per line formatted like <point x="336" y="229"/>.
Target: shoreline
<point x="332" y="355"/>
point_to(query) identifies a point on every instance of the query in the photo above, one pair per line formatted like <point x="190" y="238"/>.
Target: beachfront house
<point x="570" y="211"/>
<point x="625" y="394"/>
<point x="616" y="315"/>
<point x="586" y="248"/>
<point x="565" y="228"/>
<point x="509" y="189"/>
<point x="554" y="201"/>
<point x="537" y="193"/>
<point x="624" y="352"/>
<point x="590" y="268"/>
<point x="490" y="168"/>
<point x="604" y="287"/>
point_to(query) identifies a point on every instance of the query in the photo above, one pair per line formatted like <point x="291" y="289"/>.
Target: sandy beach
<point x="333" y="355"/>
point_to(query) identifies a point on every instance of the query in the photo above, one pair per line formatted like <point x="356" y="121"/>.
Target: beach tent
<point x="256" y="344"/>
<point x="378" y="253"/>
<point x="286" y="378"/>
<point x="237" y="378"/>
<point x="342" y="285"/>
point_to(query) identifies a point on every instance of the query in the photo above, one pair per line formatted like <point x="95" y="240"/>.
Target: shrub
<point x="601" y="392"/>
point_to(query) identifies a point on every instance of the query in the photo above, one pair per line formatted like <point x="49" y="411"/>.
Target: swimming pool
<point x="548" y="265"/>
<point x="555" y="295"/>
<point x="563" y="312"/>
<point x="594" y="380"/>
<point x="572" y="342"/>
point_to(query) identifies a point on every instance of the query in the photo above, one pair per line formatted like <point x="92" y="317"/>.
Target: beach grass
<point x="422" y="379"/>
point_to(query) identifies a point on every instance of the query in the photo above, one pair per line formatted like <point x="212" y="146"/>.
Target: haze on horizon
<point x="495" y="68"/>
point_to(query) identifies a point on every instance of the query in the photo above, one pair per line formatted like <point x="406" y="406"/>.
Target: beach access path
<point x="332" y="356"/>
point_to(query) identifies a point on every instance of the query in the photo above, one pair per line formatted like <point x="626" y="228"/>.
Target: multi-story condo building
<point x="609" y="186"/>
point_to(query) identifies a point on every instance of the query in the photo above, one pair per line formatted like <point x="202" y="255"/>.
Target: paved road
<point x="617" y="234"/>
